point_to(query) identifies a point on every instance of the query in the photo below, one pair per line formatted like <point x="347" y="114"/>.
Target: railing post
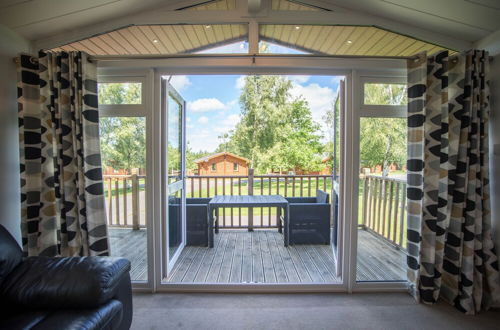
<point x="365" y="201"/>
<point x="135" y="202"/>
<point x="250" y="193"/>
<point x="110" y="203"/>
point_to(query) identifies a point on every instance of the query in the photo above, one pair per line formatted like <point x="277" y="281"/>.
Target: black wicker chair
<point x="310" y="219"/>
<point x="197" y="222"/>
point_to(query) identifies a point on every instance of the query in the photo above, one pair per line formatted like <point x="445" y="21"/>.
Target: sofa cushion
<point x="107" y="316"/>
<point x="10" y="253"/>
<point x="78" y="282"/>
<point x="22" y="319"/>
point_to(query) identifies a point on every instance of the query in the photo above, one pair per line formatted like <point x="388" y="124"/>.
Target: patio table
<point x="248" y="201"/>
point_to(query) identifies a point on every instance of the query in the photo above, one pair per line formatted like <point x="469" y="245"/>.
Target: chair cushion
<point x="321" y="197"/>
<point x="10" y="253"/>
<point x="78" y="282"/>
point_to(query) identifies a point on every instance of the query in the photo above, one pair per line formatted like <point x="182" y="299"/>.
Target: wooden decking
<point x="240" y="256"/>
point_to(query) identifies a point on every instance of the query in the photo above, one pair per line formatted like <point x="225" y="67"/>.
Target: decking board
<point x="240" y="256"/>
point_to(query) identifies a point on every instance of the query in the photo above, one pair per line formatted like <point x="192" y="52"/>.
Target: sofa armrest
<point x="77" y="282"/>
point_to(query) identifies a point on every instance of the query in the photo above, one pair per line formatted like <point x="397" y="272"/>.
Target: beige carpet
<point x="300" y="311"/>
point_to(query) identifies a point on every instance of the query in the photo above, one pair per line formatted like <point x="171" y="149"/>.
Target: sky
<point x="213" y="100"/>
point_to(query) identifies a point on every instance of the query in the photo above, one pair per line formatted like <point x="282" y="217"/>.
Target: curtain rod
<point x="97" y="58"/>
<point x="249" y="56"/>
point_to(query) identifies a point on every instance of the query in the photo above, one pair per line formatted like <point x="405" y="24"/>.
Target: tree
<point x="383" y="140"/>
<point x="123" y="142"/>
<point x="123" y="139"/>
<point x="276" y="131"/>
<point x="331" y="118"/>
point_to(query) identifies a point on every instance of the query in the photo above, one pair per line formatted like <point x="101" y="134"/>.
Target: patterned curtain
<point x="62" y="200"/>
<point x="450" y="248"/>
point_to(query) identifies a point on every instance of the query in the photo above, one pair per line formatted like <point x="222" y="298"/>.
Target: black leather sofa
<point x="62" y="293"/>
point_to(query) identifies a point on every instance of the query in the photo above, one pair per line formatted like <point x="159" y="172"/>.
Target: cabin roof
<point x="207" y="158"/>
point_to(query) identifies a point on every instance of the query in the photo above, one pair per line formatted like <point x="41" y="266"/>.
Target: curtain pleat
<point x="450" y="249"/>
<point x="62" y="194"/>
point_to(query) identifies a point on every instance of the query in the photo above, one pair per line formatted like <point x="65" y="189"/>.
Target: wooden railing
<point x="125" y="204"/>
<point x="382" y="203"/>
<point x="384" y="208"/>
<point x="262" y="217"/>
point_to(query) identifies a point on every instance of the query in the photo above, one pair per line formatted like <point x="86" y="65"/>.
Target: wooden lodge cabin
<point x="223" y="164"/>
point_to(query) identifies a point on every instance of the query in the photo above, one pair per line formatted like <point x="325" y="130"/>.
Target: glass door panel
<point x="123" y="150"/>
<point x="173" y="108"/>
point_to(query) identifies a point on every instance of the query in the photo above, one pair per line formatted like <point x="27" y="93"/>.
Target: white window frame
<point x="350" y="68"/>
<point x="137" y="110"/>
<point x="360" y="110"/>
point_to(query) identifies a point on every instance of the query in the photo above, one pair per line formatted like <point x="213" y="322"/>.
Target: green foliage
<point x="119" y="93"/>
<point x="383" y="140"/>
<point x="385" y="94"/>
<point x="276" y="132"/>
<point x="331" y="118"/>
<point x="123" y="142"/>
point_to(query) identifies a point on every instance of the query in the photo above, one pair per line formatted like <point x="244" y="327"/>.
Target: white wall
<point x="495" y="154"/>
<point x="11" y="45"/>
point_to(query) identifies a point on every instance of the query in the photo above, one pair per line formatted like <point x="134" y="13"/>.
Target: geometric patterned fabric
<point x="450" y="248"/>
<point x="62" y="196"/>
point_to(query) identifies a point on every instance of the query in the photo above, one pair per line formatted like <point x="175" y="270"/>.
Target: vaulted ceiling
<point x="409" y="25"/>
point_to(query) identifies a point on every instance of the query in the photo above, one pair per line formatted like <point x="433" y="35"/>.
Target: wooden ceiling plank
<point x="151" y="35"/>
<point x="129" y="36"/>
<point x="202" y="36"/>
<point x="210" y="34"/>
<point x="182" y="37"/>
<point x="128" y="46"/>
<point x="378" y="37"/>
<point x="414" y="48"/>
<point x="172" y="34"/>
<point x="112" y="42"/>
<point x="143" y="39"/>
<point x="295" y="35"/>
<point x="107" y="48"/>
<point x="369" y="33"/>
<point x="386" y="51"/>
<point x="93" y="47"/>
<point x="382" y="43"/>
<point x="195" y="41"/>
<point x="304" y="35"/>
<point x="331" y="37"/>
<point x="322" y="37"/>
<point x="313" y="36"/>
<point x="80" y="46"/>
<point x="166" y="35"/>
<point x="400" y="46"/>
<point x="356" y="33"/>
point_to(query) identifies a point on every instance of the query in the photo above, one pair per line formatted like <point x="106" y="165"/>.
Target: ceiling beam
<point x="239" y="16"/>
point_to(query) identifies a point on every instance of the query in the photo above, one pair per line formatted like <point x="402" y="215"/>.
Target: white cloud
<point x="180" y="82"/>
<point x="299" y="79"/>
<point x="205" y="105"/>
<point x="227" y="124"/>
<point x="203" y="120"/>
<point x="240" y="82"/>
<point x="188" y="119"/>
<point x="337" y="79"/>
